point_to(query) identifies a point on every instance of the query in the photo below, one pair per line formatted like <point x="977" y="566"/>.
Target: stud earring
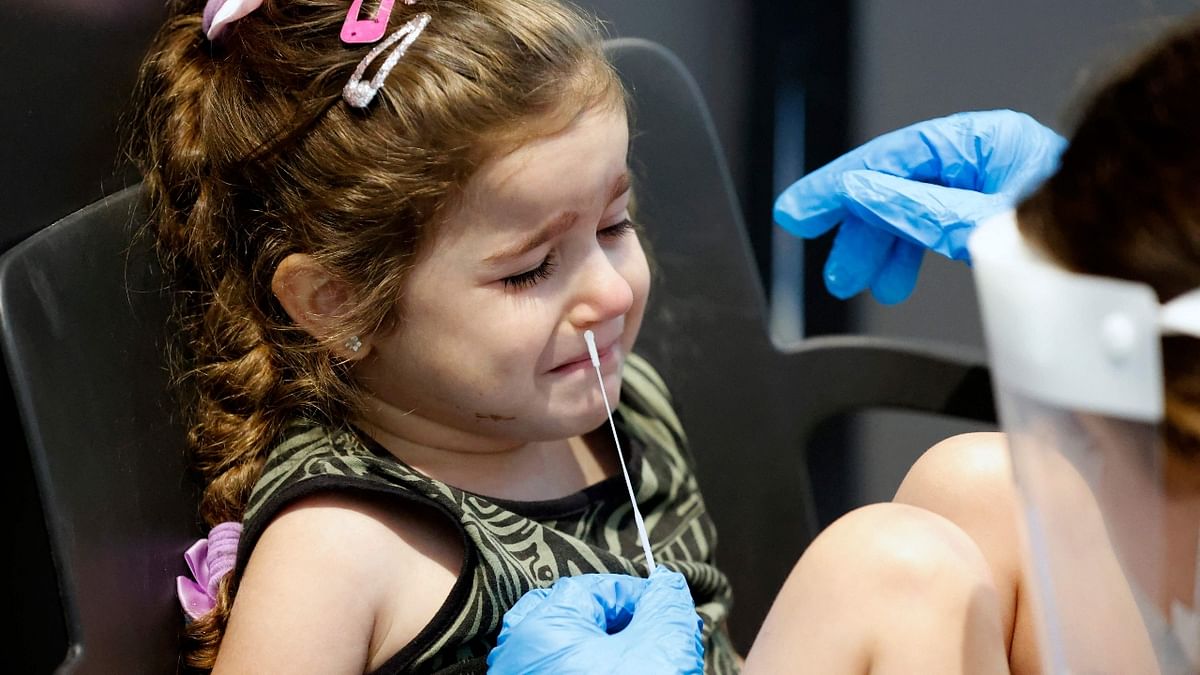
<point x="353" y="343"/>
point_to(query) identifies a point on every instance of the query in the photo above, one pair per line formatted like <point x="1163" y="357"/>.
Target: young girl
<point x="386" y="254"/>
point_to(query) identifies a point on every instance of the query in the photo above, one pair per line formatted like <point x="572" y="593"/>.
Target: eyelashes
<point x="528" y="279"/>
<point x="543" y="271"/>
<point x="616" y="231"/>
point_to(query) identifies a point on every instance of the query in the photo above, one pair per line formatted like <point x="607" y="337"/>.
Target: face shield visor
<point x="1110" y="519"/>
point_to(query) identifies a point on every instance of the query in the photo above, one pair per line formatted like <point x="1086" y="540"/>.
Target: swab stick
<point x="590" y="338"/>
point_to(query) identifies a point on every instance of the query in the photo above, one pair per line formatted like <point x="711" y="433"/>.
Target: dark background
<point x="841" y="72"/>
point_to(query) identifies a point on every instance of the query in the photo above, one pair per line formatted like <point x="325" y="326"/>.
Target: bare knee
<point x="883" y="584"/>
<point x="963" y="471"/>
<point x="934" y="603"/>
<point x="899" y="550"/>
<point x="968" y="479"/>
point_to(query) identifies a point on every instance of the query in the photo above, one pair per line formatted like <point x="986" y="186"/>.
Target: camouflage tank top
<point x="512" y="547"/>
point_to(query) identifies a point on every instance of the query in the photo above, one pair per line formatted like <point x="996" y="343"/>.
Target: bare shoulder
<point x="338" y="583"/>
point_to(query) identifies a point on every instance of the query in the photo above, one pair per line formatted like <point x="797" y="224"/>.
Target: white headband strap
<point x="1181" y="316"/>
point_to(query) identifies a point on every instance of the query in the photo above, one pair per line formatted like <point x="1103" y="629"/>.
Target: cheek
<point x="501" y="333"/>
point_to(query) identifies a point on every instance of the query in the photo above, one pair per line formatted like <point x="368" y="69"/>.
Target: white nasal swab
<point x="590" y="338"/>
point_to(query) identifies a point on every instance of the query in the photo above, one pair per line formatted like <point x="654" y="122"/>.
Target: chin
<point x="579" y="411"/>
<point x="584" y="420"/>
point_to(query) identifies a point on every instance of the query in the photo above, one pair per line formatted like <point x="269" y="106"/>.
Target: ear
<point x="314" y="298"/>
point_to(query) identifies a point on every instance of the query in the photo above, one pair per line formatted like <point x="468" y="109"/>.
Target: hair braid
<point x="233" y="375"/>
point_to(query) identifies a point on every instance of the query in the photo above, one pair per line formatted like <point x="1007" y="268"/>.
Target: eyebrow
<point x="559" y="224"/>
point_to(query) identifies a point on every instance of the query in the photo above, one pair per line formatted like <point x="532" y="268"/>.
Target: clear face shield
<point x="1111" y="512"/>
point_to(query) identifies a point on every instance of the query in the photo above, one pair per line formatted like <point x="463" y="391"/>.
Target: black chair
<point x="748" y="407"/>
<point x="83" y="321"/>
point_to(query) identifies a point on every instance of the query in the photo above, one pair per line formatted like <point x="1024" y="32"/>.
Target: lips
<point x="585" y="359"/>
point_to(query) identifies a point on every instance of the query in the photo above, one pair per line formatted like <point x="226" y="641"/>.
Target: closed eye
<point x="529" y="279"/>
<point x="543" y="271"/>
<point x="617" y="230"/>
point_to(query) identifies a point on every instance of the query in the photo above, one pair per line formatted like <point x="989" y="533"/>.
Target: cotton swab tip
<point x="590" y="338"/>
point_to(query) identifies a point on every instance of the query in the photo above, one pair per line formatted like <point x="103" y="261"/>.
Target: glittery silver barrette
<point x="359" y="92"/>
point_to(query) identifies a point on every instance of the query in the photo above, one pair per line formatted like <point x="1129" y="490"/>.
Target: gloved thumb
<point x="809" y="207"/>
<point x="937" y="218"/>
<point x="570" y="606"/>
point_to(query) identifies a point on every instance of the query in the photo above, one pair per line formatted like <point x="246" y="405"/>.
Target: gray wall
<point x="712" y="38"/>
<point x="68" y="66"/>
<point x="926" y="58"/>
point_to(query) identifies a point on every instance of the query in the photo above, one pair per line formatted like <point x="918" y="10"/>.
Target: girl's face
<point x="489" y="352"/>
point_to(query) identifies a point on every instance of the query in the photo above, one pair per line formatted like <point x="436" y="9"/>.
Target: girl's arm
<point x="338" y="584"/>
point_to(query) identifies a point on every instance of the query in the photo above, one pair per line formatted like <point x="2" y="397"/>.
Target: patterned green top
<point x="513" y="547"/>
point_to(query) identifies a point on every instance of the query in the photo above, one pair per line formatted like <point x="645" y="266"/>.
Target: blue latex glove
<point x="603" y="623"/>
<point x="925" y="186"/>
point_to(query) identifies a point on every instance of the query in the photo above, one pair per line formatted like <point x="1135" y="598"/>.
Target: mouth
<point x="607" y="354"/>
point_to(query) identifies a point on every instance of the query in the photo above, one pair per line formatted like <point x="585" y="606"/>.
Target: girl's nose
<point x="602" y="293"/>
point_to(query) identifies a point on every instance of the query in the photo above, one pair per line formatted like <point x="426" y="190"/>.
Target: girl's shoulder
<point x="310" y="455"/>
<point x="327" y="567"/>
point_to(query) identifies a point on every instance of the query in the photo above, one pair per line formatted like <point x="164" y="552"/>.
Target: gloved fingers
<point x="615" y="595"/>
<point x="666" y="618"/>
<point x="859" y="252"/>
<point x="604" y="600"/>
<point x="547" y="636"/>
<point x="666" y="601"/>
<point x="809" y="207"/>
<point x="570" y="611"/>
<point x="938" y="218"/>
<point x="544" y="626"/>
<point x="986" y="151"/>
<point x="1012" y="152"/>
<point x="898" y="276"/>
<point x="526" y="604"/>
<point x="940" y="150"/>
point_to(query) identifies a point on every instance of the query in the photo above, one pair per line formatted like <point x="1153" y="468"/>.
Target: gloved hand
<point x="603" y="623"/>
<point x="925" y="186"/>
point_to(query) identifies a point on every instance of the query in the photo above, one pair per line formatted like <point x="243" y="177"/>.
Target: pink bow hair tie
<point x="209" y="560"/>
<point x="221" y="13"/>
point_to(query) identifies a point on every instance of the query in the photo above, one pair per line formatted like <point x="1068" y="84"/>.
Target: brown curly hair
<point x="249" y="154"/>
<point x="1125" y="203"/>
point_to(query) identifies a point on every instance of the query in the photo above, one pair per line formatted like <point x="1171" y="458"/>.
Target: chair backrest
<point x="83" y="321"/>
<point x="749" y="408"/>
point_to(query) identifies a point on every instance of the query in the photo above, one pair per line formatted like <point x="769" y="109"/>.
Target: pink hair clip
<point x="221" y="13"/>
<point x="209" y="560"/>
<point x="357" y="30"/>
